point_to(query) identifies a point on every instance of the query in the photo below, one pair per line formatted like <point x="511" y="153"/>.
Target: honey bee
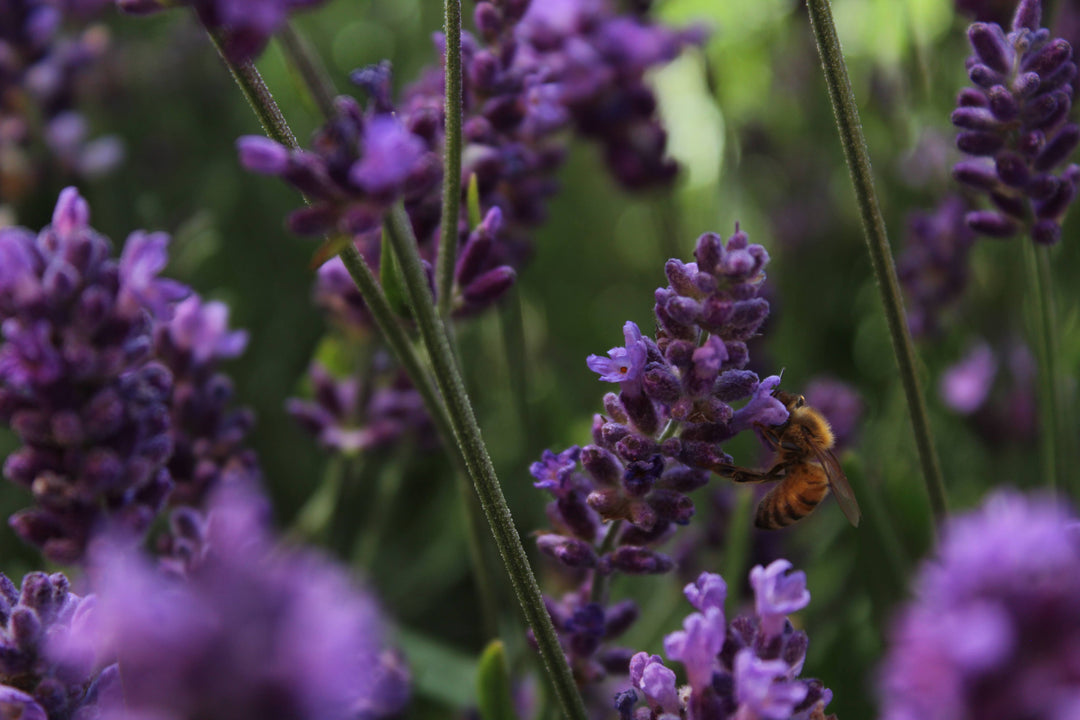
<point x="804" y="464"/>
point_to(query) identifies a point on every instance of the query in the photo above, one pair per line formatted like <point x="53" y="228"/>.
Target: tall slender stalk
<point x="877" y="242"/>
<point x="451" y="191"/>
<point x="310" y="68"/>
<point x="479" y="463"/>
<point x="277" y="128"/>
<point x="1037" y="264"/>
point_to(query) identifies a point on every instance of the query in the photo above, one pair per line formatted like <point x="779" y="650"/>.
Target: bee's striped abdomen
<point x="794" y="498"/>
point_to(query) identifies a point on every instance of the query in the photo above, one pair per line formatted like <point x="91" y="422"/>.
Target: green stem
<point x="600" y="582"/>
<point x="277" y="128"/>
<point x="311" y="69"/>
<point x="877" y="242"/>
<point x="451" y="197"/>
<point x="737" y="546"/>
<point x="480" y="467"/>
<point x="258" y="96"/>
<point x="367" y="544"/>
<point x="312" y="523"/>
<point x="1037" y="262"/>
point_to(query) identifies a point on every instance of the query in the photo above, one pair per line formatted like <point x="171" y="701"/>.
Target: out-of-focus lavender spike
<point x="1016" y="123"/>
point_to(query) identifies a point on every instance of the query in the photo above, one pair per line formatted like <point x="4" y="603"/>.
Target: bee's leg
<point x="746" y="475"/>
<point x="769" y="435"/>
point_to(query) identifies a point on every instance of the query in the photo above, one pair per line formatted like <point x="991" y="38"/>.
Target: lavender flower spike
<point x="78" y="384"/>
<point x="252" y="631"/>
<point x="1014" y="123"/>
<point x="993" y="630"/>
<point x="735" y="671"/>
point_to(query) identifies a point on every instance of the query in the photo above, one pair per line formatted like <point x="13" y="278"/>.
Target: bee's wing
<point x="839" y="485"/>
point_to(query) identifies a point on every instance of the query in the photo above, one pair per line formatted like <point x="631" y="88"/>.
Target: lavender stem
<point x="479" y="464"/>
<point x="277" y="128"/>
<point x="451" y="191"/>
<point x="1037" y="262"/>
<point x="311" y="69"/>
<point x="877" y="241"/>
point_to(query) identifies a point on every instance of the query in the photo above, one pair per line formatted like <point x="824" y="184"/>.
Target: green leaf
<point x="390" y="278"/>
<point x="473" y="202"/>
<point x="439" y="672"/>
<point x="493" y="684"/>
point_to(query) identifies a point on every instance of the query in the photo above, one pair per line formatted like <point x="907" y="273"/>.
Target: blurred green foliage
<point x="750" y="119"/>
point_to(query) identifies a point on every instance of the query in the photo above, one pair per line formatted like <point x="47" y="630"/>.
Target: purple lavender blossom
<point x="663" y="432"/>
<point x="586" y="630"/>
<point x="534" y="70"/>
<point x="78" y="384"/>
<point x="1015" y="124"/>
<point x="32" y="685"/>
<point x="252" y="630"/>
<point x="735" y="671"/>
<point x="934" y="266"/>
<point x="965" y="386"/>
<point x="41" y="68"/>
<point x="993" y="630"/>
<point x="208" y="435"/>
<point x="348" y="416"/>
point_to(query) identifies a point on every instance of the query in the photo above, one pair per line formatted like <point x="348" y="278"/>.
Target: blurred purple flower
<point x="78" y="384"/>
<point x="253" y="630"/>
<point x="965" y="386"/>
<point x="348" y="415"/>
<point x="993" y="630"/>
<point x="841" y="405"/>
<point x="1015" y="124"/>
<point x="934" y="266"/>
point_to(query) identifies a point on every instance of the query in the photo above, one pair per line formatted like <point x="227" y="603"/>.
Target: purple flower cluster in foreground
<point x="349" y="416"/>
<point x="250" y="630"/>
<point x="995" y="625"/>
<point x="40" y="71"/>
<point x="747" y="669"/>
<point x="1015" y="123"/>
<point x="78" y="381"/>
<point x="537" y="70"/>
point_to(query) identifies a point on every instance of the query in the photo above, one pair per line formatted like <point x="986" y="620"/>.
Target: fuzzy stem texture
<point x="480" y="467"/>
<point x="451" y="191"/>
<point x="277" y="128"/>
<point x="877" y="242"/>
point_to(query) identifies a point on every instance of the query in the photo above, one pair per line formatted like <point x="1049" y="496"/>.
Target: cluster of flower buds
<point x="34" y="617"/>
<point x="348" y="416"/>
<point x="993" y="628"/>
<point x="78" y="382"/>
<point x="208" y="435"/>
<point x="661" y="434"/>
<point x="1015" y="122"/>
<point x="658" y="438"/>
<point x="40" y="71"/>
<point x="747" y="668"/>
<point x="536" y="70"/>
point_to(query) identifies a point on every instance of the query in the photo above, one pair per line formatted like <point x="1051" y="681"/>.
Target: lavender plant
<point x="78" y="381"/>
<point x="747" y="669"/>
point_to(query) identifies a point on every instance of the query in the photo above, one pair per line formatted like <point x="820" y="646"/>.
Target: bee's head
<point x="791" y="401"/>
